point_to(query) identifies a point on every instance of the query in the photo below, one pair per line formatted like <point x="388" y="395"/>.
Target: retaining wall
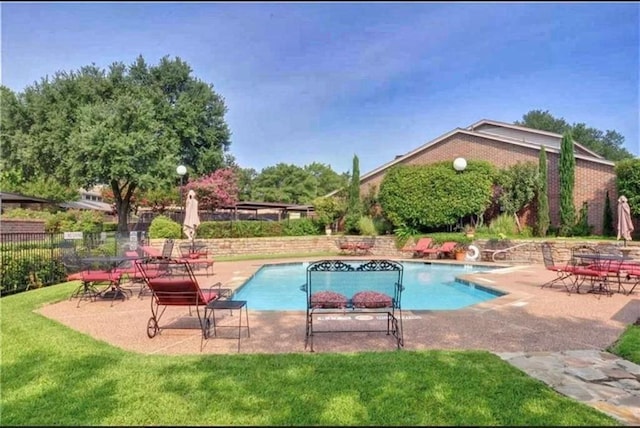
<point x="384" y="246"/>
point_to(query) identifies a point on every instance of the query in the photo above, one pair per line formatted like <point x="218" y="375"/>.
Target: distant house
<point x="503" y="145"/>
<point x="90" y="200"/>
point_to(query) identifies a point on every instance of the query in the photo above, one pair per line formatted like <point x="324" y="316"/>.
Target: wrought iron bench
<point x="363" y="288"/>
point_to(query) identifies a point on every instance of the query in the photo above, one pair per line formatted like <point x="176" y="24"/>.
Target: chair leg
<point x="560" y="277"/>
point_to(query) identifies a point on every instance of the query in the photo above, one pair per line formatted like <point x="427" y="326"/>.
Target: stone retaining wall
<point x="385" y="246"/>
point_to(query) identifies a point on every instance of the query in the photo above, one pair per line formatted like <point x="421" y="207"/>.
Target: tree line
<point x="129" y="126"/>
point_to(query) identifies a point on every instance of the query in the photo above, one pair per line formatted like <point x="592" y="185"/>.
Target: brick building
<point x="503" y="145"/>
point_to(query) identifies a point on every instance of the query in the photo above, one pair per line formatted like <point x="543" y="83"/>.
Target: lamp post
<point x="181" y="170"/>
<point x="459" y="164"/>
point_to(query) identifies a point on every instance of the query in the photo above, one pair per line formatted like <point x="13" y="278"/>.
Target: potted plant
<point x="469" y="230"/>
<point x="460" y="251"/>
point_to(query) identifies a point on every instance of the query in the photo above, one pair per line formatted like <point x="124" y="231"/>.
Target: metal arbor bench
<point x="371" y="290"/>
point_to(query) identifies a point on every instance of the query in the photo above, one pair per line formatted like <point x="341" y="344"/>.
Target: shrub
<point x="163" y="227"/>
<point x="366" y="226"/>
<point x="383" y="226"/>
<point x="301" y="227"/>
<point x="582" y="227"/>
<point x="23" y="213"/>
<point x="505" y="224"/>
<point x="16" y="271"/>
<point x="109" y="226"/>
<point x="430" y="196"/>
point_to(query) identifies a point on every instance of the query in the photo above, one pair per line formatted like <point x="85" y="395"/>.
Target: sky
<point x="308" y="82"/>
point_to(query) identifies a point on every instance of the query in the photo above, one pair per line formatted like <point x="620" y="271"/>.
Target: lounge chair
<point x="419" y="247"/>
<point x="446" y="249"/>
<point x="180" y="288"/>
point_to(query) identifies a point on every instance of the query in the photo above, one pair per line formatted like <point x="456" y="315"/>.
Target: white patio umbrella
<point x="625" y="225"/>
<point x="191" y="218"/>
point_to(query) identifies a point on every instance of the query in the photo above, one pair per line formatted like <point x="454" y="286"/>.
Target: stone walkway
<point x="552" y="336"/>
<point x="596" y="378"/>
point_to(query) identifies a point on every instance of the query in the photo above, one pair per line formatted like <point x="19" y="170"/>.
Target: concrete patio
<point x="545" y="332"/>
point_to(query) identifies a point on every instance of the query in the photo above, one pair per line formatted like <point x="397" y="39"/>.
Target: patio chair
<point x="633" y="276"/>
<point x="165" y="253"/>
<point x="586" y="265"/>
<point x="563" y="272"/>
<point x="419" y="247"/>
<point x="197" y="256"/>
<point x="446" y="249"/>
<point x="89" y="278"/>
<point x="180" y="288"/>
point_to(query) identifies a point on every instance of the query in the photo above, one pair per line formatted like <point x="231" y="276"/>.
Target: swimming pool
<point x="427" y="287"/>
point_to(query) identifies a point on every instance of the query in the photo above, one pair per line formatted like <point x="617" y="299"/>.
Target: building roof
<point x="530" y="131"/>
<point x="254" y="206"/>
<point x="18" y="198"/>
<point x="88" y="205"/>
<point x="523" y="142"/>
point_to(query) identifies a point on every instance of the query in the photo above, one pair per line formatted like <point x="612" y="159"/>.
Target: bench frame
<point x="388" y="281"/>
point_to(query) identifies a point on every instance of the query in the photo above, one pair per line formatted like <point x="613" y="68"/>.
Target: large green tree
<point x="289" y="183"/>
<point x="284" y="183"/>
<point x="127" y="127"/>
<point x="567" y="165"/>
<point x="628" y="183"/>
<point x="608" y="144"/>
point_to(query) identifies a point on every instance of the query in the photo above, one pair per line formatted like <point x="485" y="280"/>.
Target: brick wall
<point x="21" y="226"/>
<point x="592" y="180"/>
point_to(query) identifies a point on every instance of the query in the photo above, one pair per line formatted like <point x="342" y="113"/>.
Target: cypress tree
<point x="354" y="207"/>
<point x="567" y="167"/>
<point x="607" y="218"/>
<point x="543" y="196"/>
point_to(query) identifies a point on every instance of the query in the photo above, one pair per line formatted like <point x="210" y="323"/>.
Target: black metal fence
<point x="33" y="260"/>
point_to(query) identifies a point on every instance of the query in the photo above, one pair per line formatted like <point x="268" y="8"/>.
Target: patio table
<point x="604" y="263"/>
<point x="111" y="262"/>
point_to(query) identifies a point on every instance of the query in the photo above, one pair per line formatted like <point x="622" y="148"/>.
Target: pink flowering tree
<point x="215" y="190"/>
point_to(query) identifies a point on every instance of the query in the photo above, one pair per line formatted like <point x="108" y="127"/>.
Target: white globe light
<point x="459" y="164"/>
<point x="181" y="170"/>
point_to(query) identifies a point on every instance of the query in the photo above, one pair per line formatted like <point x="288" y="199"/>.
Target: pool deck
<point x="527" y="324"/>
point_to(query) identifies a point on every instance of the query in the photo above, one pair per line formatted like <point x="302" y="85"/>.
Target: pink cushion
<point x="371" y="299"/>
<point x="328" y="299"/>
<point x="74" y="277"/>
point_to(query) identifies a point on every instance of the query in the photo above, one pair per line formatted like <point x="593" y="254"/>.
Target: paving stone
<point x="587" y="374"/>
<point x="626" y="384"/>
<point x="577" y="392"/>
<point x="617" y="373"/>
<point x="629" y="366"/>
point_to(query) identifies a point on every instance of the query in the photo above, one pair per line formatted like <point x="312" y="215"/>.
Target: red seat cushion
<point x="74" y="277"/>
<point x="371" y="299"/>
<point x="173" y="291"/>
<point x="328" y="300"/>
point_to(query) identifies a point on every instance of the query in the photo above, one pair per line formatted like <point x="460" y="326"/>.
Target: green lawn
<point x="52" y="375"/>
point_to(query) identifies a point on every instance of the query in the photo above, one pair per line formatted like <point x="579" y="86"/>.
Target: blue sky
<point x="320" y="82"/>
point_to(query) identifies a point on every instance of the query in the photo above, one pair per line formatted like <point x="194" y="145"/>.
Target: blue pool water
<point x="427" y="287"/>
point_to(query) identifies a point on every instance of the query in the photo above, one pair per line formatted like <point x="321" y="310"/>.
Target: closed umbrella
<point x="625" y="225"/>
<point x="191" y="219"/>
